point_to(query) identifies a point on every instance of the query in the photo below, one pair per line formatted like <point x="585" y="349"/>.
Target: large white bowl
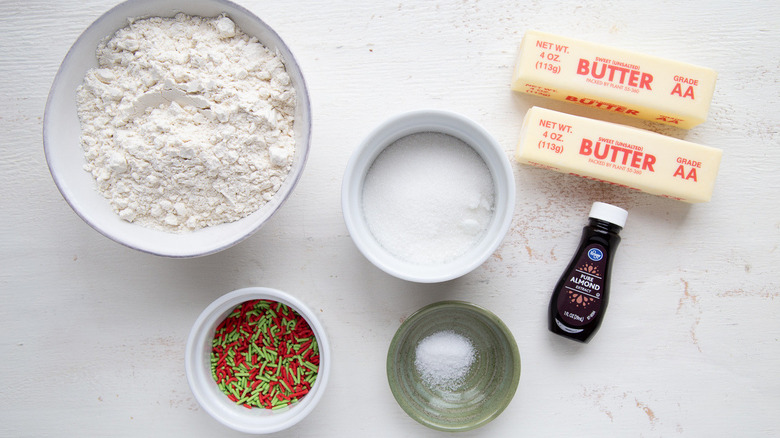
<point x="61" y="132"/>
<point x="197" y="365"/>
<point x="386" y="134"/>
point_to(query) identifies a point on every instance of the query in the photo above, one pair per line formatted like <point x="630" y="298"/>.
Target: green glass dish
<point x="489" y="385"/>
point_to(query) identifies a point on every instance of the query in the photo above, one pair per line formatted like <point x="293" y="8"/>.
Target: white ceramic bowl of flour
<point x="65" y="156"/>
<point x="428" y="196"/>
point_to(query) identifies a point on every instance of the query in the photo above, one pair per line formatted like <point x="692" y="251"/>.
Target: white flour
<point x="187" y="122"/>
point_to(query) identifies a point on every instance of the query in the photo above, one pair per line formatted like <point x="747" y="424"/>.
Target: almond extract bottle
<point x="580" y="298"/>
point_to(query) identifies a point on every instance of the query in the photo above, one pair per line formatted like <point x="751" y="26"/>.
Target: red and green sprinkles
<point x="264" y="354"/>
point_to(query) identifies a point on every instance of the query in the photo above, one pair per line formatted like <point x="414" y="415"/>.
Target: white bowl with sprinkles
<point x="178" y="127"/>
<point x="428" y="196"/>
<point x="233" y="412"/>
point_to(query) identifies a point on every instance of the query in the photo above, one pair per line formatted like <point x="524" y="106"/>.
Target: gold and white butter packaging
<point x="613" y="79"/>
<point x="634" y="158"/>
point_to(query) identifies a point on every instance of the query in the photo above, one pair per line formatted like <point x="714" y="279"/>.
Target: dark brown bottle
<point x="581" y="296"/>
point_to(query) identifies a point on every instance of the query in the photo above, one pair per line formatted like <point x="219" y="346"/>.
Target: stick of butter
<point x="618" y="154"/>
<point x="615" y="80"/>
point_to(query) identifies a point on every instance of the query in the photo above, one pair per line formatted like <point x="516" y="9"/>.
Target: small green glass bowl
<point x="485" y="391"/>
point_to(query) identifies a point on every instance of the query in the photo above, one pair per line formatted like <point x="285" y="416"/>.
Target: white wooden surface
<point x="92" y="334"/>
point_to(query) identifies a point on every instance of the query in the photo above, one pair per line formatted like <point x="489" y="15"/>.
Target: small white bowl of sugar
<point x="428" y="196"/>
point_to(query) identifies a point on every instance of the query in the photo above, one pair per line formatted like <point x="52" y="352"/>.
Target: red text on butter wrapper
<point x="617" y="154"/>
<point x="623" y="74"/>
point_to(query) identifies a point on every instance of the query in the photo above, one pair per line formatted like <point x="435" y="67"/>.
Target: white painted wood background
<point x="92" y="334"/>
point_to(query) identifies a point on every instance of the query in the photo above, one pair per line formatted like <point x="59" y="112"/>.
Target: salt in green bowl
<point x="487" y="388"/>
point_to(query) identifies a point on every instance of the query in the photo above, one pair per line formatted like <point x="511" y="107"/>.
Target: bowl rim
<point x="198" y="370"/>
<point x="412" y="122"/>
<point x="443" y="305"/>
<point x="127" y="9"/>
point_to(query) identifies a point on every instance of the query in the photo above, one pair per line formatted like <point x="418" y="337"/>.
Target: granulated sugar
<point x="443" y="359"/>
<point x="428" y="198"/>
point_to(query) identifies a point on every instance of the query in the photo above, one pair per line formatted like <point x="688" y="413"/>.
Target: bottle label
<point x="580" y="300"/>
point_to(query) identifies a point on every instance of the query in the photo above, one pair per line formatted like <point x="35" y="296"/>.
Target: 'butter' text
<point x="617" y="154"/>
<point x="615" y="73"/>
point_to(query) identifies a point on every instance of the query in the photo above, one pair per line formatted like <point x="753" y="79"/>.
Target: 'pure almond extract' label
<point x="581" y="298"/>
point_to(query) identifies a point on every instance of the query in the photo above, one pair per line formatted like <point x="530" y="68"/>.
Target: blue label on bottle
<point x="595" y="254"/>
